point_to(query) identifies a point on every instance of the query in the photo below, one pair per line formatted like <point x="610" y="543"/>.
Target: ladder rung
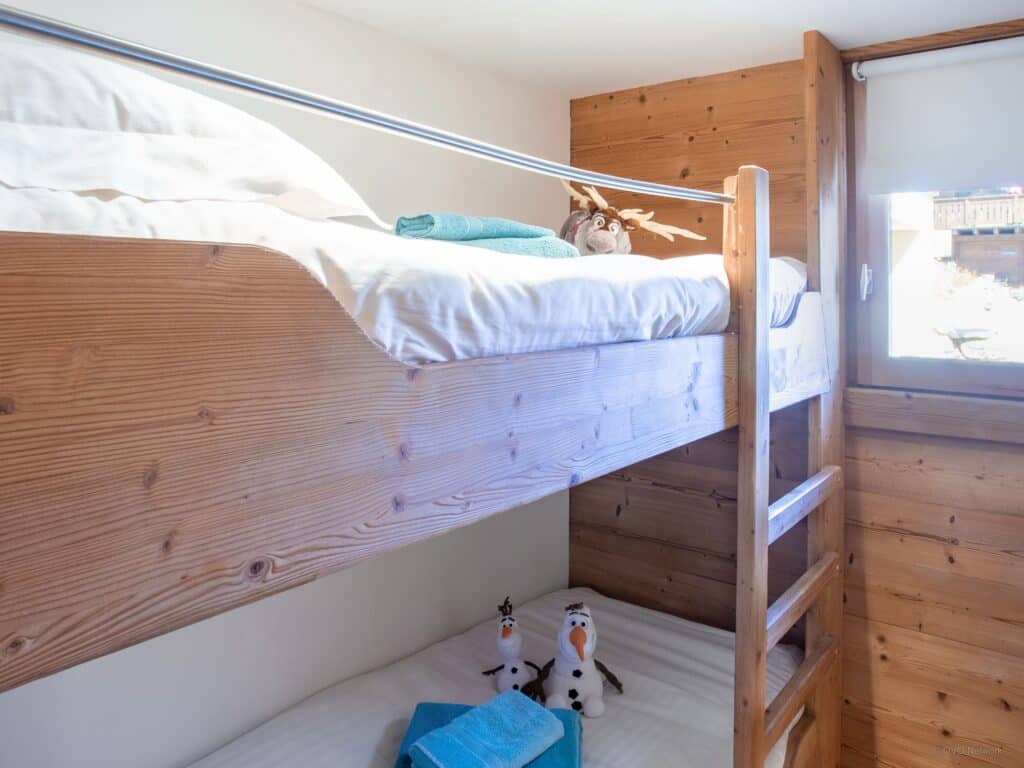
<point x="801" y="501"/>
<point x="794" y="602"/>
<point x="783" y="709"/>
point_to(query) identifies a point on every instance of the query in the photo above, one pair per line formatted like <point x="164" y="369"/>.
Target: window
<point x="939" y="275"/>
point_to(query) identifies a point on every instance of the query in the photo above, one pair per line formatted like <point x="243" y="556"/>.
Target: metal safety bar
<point x="68" y="33"/>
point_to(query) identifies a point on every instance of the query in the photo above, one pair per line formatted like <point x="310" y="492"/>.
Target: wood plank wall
<point x="695" y="132"/>
<point x="662" y="533"/>
<point x="934" y="636"/>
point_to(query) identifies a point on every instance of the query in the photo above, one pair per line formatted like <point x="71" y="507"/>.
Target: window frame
<point x="869" y="245"/>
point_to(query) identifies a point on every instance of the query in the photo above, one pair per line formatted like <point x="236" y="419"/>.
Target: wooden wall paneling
<point x="675" y="516"/>
<point x="681" y="505"/>
<point x="825" y="124"/>
<point x="934" y="639"/>
<point x="696" y="132"/>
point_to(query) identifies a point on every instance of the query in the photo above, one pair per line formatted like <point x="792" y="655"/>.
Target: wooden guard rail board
<point x="188" y="427"/>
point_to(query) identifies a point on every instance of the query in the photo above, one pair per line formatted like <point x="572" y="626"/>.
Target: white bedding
<point x="427" y="301"/>
<point x="676" y="710"/>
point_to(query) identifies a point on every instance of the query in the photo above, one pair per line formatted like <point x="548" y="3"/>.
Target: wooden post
<point x="826" y="238"/>
<point x="732" y="265"/>
<point x="750" y="230"/>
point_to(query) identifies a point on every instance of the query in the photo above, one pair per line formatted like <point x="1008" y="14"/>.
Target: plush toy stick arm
<point x="609" y="676"/>
<point x="531" y="664"/>
<point x="494" y="671"/>
<point x="535" y="688"/>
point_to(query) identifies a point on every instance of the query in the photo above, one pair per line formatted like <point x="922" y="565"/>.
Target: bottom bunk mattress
<point x="676" y="710"/>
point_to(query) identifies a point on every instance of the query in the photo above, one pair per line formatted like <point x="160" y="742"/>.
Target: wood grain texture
<point x="752" y="254"/>
<point x="980" y="34"/>
<point x="696" y="132"/>
<point x="794" y="507"/>
<point x="825" y="122"/>
<point x="974" y="418"/>
<point x="794" y="602"/>
<point x="189" y="427"/>
<point x="934" y="628"/>
<point x="800" y="688"/>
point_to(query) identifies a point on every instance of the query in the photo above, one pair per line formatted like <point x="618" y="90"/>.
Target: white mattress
<point x="676" y="710"/>
<point x="428" y="301"/>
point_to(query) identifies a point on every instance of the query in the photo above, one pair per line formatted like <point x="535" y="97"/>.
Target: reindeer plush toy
<point x="599" y="228"/>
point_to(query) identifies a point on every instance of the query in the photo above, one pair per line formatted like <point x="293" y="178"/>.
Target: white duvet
<point x="427" y="301"/>
<point x="676" y="711"/>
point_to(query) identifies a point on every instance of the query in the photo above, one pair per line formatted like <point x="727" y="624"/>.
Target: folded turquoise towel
<point x="567" y="752"/>
<point x="508" y="731"/>
<point x="455" y="226"/>
<point x="548" y="247"/>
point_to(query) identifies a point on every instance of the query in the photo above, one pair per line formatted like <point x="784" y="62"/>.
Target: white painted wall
<point x="170" y="700"/>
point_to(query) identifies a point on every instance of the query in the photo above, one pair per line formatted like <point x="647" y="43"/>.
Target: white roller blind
<point x="954" y="127"/>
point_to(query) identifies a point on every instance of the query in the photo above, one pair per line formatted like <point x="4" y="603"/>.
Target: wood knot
<point x="16" y="645"/>
<point x="150" y="476"/>
<point x="518" y="399"/>
<point x="411" y="374"/>
<point x="574" y="479"/>
<point x="403" y="452"/>
<point x="168" y="543"/>
<point x="397" y="503"/>
<point x="684" y="174"/>
<point x="6" y="406"/>
<point x="257" y="569"/>
<point x="206" y="415"/>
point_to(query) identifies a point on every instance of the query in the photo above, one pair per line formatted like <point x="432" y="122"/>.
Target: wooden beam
<point x="801" y="501"/>
<point x="826" y="240"/>
<point x="798" y="691"/>
<point x="924" y="413"/>
<point x="980" y="34"/>
<point x="729" y="255"/>
<point x="794" y="602"/>
<point x="753" y="248"/>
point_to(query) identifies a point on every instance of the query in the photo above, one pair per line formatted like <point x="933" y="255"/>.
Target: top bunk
<point x="189" y="426"/>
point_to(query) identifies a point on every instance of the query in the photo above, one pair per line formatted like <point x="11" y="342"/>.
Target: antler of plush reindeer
<point x="593" y="202"/>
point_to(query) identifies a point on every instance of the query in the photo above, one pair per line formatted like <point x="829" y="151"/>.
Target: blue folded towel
<point x="455" y="226"/>
<point x="508" y="731"/>
<point x="548" y="247"/>
<point x="567" y="752"/>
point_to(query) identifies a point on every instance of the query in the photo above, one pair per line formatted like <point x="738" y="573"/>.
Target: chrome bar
<point x="50" y="28"/>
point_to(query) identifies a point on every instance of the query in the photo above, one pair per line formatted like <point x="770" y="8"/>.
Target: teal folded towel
<point x="455" y="226"/>
<point x="509" y="731"/>
<point x="548" y="247"/>
<point x="567" y="752"/>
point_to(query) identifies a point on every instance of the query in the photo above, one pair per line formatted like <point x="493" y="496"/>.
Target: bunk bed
<point x="186" y="427"/>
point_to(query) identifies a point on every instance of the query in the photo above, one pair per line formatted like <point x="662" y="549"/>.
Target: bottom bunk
<point x="676" y="709"/>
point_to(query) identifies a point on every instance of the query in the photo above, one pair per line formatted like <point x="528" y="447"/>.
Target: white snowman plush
<point x="574" y="678"/>
<point x="515" y="672"/>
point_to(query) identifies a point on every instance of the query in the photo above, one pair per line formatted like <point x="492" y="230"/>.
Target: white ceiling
<point x="581" y="48"/>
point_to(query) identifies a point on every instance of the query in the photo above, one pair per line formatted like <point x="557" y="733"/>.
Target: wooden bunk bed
<point x="194" y="426"/>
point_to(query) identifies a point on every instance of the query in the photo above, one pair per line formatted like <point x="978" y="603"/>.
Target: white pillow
<point x="80" y="123"/>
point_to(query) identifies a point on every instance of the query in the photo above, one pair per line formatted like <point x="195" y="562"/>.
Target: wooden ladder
<point x="818" y="592"/>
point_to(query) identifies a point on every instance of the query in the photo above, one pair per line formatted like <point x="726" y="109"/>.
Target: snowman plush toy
<point x="574" y="678"/>
<point x="514" y="673"/>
